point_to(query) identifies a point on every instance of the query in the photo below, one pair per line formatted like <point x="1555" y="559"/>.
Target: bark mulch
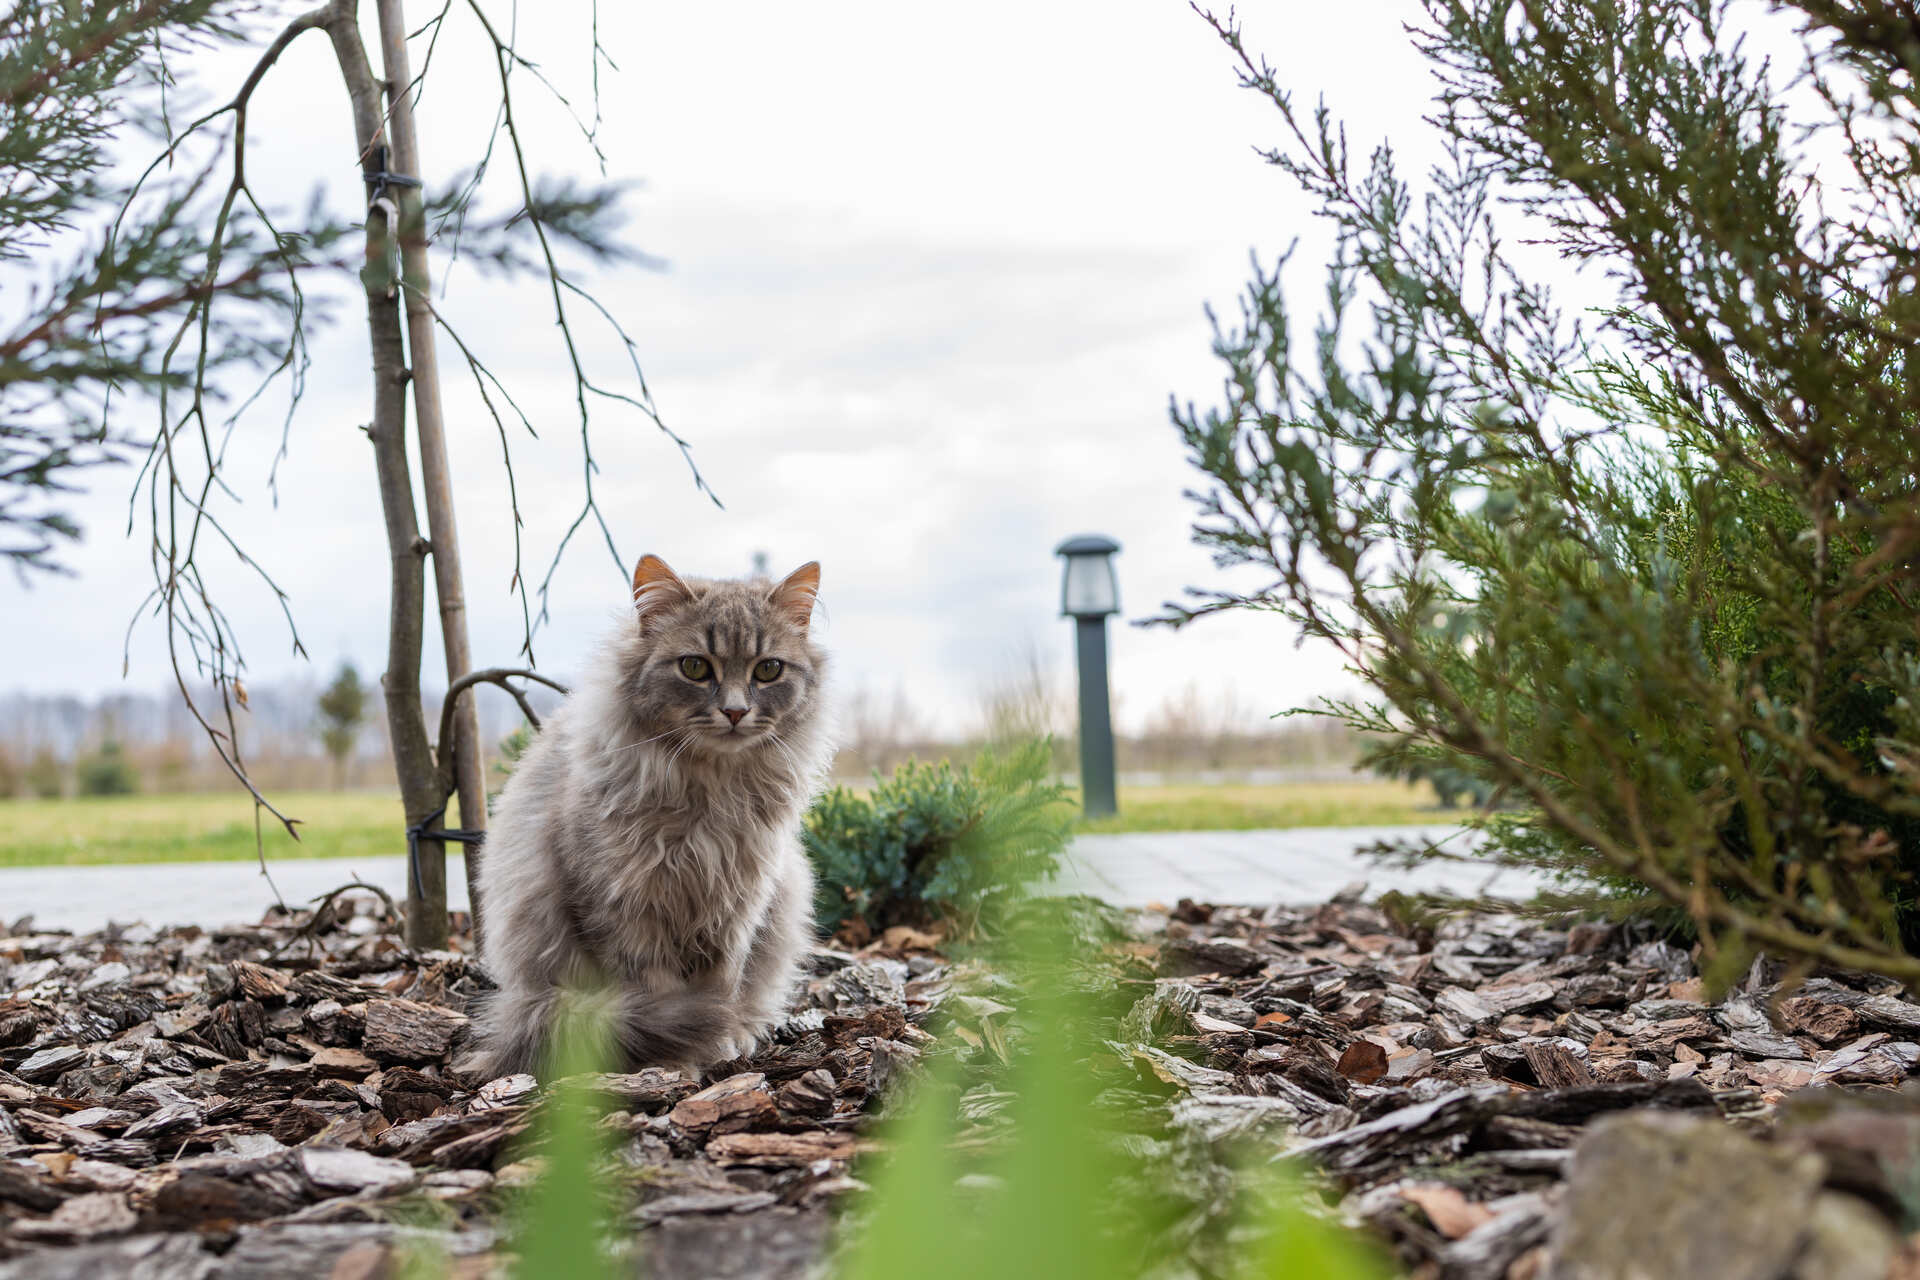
<point x="288" y="1099"/>
<point x="1500" y="1100"/>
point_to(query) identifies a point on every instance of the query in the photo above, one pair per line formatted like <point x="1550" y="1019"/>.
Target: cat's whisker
<point x="608" y="752"/>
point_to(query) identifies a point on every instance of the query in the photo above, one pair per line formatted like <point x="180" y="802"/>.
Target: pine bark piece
<point x="779" y="1150"/>
<point x="811" y="1095"/>
<point x="1389" y="1140"/>
<point x="667" y="1207"/>
<point x="194" y="1201"/>
<point x="884" y="1021"/>
<point x="506" y="1091"/>
<point x="1512" y="999"/>
<point x="337" y="1171"/>
<point x="476" y="1149"/>
<point x="735" y="1102"/>
<point x="1554" y="1066"/>
<point x="1184" y="957"/>
<point x="408" y="1031"/>
<point x="1830" y="1024"/>
<point x="27" y="1191"/>
<point x="1363" y="1062"/>
<point x="258" y="981"/>
<point x="93" y="1216"/>
<point x="652" y="1089"/>
<point x="46" y="1064"/>
<point x="178" y="1256"/>
<point x="341" y="1063"/>
<point x="168" y="1121"/>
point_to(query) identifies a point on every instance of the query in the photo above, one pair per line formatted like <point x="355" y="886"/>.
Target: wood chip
<point x="781" y="1149"/>
<point x="341" y="1063"/>
<point x="1363" y="1062"/>
<point x="736" y="1101"/>
<point x="408" y="1031"/>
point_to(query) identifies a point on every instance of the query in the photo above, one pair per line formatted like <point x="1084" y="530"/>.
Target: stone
<point x="1722" y="1206"/>
<point x="1846" y="1240"/>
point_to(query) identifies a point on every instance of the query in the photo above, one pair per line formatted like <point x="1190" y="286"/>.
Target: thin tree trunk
<point x="413" y="759"/>
<point x="435" y="476"/>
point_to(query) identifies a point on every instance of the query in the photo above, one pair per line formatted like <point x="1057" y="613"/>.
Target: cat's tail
<point x="517" y="1029"/>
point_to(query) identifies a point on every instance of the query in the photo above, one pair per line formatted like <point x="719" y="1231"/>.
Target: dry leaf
<point x="1451" y="1214"/>
<point x="904" y="937"/>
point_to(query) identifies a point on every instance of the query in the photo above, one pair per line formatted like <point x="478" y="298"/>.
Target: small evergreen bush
<point x="938" y="842"/>
<point x="107" y="772"/>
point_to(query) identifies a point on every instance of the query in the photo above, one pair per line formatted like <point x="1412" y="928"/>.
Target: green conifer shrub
<point x="938" y="842"/>
<point x="1679" y="529"/>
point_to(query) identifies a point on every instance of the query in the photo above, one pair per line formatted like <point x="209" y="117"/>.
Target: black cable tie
<point x="425" y="830"/>
<point x="380" y="179"/>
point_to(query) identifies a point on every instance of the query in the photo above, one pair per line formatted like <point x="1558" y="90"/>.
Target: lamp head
<point x="1089" y="588"/>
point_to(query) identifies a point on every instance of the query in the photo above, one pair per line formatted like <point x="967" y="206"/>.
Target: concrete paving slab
<point x="1300" y="865"/>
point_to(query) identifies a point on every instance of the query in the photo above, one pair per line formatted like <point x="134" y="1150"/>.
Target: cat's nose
<point x="733" y="714"/>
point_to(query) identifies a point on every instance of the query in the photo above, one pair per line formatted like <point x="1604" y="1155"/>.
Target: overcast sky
<point x="931" y="275"/>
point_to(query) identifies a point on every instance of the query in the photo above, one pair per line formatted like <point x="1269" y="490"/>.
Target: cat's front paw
<point x="743" y="1043"/>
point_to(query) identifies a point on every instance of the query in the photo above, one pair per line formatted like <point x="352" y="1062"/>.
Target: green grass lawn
<point x="342" y="824"/>
<point x="1363" y="802"/>
<point x="195" y="828"/>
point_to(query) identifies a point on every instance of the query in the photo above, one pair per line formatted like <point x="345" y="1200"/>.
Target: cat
<point x="647" y="843"/>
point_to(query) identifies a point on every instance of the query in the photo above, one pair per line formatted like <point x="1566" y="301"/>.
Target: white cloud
<point x="933" y="274"/>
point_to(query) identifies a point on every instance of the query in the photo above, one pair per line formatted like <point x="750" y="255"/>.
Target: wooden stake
<point x="427" y="927"/>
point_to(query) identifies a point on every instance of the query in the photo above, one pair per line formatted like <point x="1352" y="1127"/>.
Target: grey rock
<point x="1663" y="1195"/>
<point x="1759" y="1044"/>
<point x="1846" y="1240"/>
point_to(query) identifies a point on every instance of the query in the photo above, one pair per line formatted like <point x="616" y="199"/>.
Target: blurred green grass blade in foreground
<point x="1063" y="1195"/>
<point x="567" y="1223"/>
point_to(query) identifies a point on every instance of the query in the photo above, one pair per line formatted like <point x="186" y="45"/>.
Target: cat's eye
<point x="768" y="669"/>
<point x="695" y="668"/>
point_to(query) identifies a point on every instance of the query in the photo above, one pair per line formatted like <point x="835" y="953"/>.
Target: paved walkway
<point x="1299" y="865"/>
<point x="1295" y="866"/>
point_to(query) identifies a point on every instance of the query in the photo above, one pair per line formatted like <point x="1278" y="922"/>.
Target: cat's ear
<point x="656" y="587"/>
<point x="795" y="594"/>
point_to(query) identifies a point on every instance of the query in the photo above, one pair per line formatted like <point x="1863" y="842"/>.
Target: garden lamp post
<point x="1089" y="592"/>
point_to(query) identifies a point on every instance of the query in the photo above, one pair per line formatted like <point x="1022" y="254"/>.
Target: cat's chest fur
<point x="682" y="879"/>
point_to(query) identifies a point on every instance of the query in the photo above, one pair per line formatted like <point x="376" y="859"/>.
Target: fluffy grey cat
<point x="648" y="841"/>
